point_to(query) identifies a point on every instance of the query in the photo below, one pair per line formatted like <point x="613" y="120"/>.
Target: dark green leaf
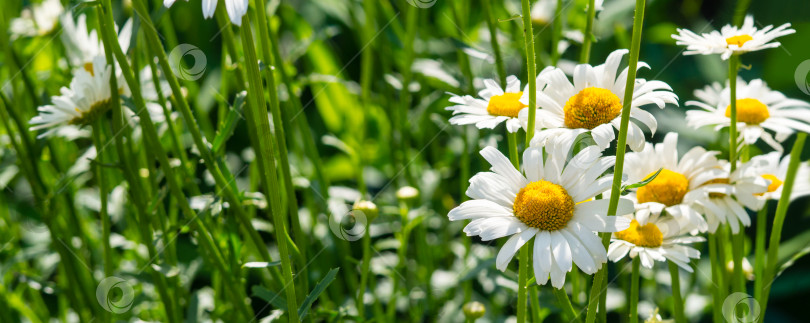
<point x="330" y="276"/>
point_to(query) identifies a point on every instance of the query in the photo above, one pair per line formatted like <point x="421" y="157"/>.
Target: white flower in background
<point x="729" y="194"/>
<point x="594" y="103"/>
<point x="543" y="10"/>
<point x="732" y="40"/>
<point x="654" y="236"/>
<point x="495" y="106"/>
<point x="84" y="45"/>
<point x="758" y="109"/>
<point x="87" y="98"/>
<point x="38" y="20"/>
<point x="679" y="184"/>
<point x="551" y="203"/>
<point x="235" y="8"/>
<point x="774" y="170"/>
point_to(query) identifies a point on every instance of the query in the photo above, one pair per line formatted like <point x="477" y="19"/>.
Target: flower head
<point x="730" y="194"/>
<point x="594" y="103"/>
<point x="236" y="9"/>
<point x="83" y="46"/>
<point x="494" y="106"/>
<point x="552" y="203"/>
<point x="38" y="20"/>
<point x="774" y="170"/>
<point x="758" y="109"/>
<point x="732" y="40"/>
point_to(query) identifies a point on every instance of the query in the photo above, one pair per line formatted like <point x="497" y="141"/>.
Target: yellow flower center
<point x="667" y="188"/>
<point x="717" y="181"/>
<point x="750" y="111"/>
<point x="591" y="107"/>
<point x="87" y="117"/>
<point x="544" y="205"/>
<point x="507" y="104"/>
<point x="89" y="68"/>
<point x="648" y="235"/>
<point x="775" y="182"/>
<point x="738" y="40"/>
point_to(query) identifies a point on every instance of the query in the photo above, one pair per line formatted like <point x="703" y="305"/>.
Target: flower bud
<point x="474" y="310"/>
<point x="368" y="208"/>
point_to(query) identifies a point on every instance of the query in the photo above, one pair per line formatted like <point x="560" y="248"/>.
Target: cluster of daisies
<point x="559" y="194"/>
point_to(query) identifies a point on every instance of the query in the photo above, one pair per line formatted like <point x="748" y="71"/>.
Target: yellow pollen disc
<point x="738" y="40"/>
<point x="717" y="181"/>
<point x="544" y="205"/>
<point x="507" y="104"/>
<point x="667" y="188"/>
<point x="750" y="111"/>
<point x="775" y="182"/>
<point x="591" y="107"/>
<point x="648" y="235"/>
<point x="89" y="68"/>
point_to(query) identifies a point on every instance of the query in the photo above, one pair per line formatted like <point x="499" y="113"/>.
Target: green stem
<point x="557" y="25"/>
<point x="565" y="304"/>
<point x="531" y="63"/>
<point x="513" y="149"/>
<point x="676" y="293"/>
<point x="779" y="220"/>
<point x="585" y="55"/>
<point x="534" y="302"/>
<point x="759" y="260"/>
<point x="733" y="65"/>
<point x="401" y="259"/>
<point x="496" y="46"/>
<point x="717" y="277"/>
<point x="739" y="12"/>
<point x="364" y="270"/>
<point x="634" y="291"/>
<point x="523" y="274"/>
<point x="407" y="74"/>
<point x="261" y="125"/>
<point x="102" y="188"/>
<point x="621" y="147"/>
<point x="737" y="249"/>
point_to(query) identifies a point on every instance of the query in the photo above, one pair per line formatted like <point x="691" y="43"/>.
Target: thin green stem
<point x="531" y="63"/>
<point x="565" y="304"/>
<point x="261" y="125"/>
<point x="737" y="249"/>
<point x="779" y="219"/>
<point x="513" y="149"/>
<point x="634" y="280"/>
<point x="534" y="302"/>
<point x="759" y="258"/>
<point x="739" y="12"/>
<point x="557" y="30"/>
<point x="407" y="75"/>
<point x="618" y="169"/>
<point x="402" y="251"/>
<point x="493" y="37"/>
<point x="364" y="271"/>
<point x="523" y="274"/>
<point x="677" y="299"/>
<point x="717" y="277"/>
<point x="585" y="55"/>
<point x="733" y="66"/>
<point x="102" y="192"/>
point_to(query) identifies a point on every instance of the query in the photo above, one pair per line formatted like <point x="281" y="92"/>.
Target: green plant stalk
<point x="565" y="304"/>
<point x="739" y="11"/>
<point x="493" y="36"/>
<point x="514" y="157"/>
<point x="759" y="258"/>
<point x="227" y="187"/>
<point x="621" y="147"/>
<point x="407" y="75"/>
<point x="556" y="36"/>
<point x="366" y="68"/>
<point x="97" y="132"/>
<point x="718" y="276"/>
<point x="262" y="125"/>
<point x="109" y="37"/>
<point x="737" y="247"/>
<point x="534" y="301"/>
<point x="364" y="271"/>
<point x="531" y="63"/>
<point x="634" y="280"/>
<point x="676" y="293"/>
<point x="523" y="277"/>
<point x="402" y="251"/>
<point x="585" y="55"/>
<point x="779" y="220"/>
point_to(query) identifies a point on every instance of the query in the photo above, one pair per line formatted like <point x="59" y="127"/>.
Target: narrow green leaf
<point x="330" y="276"/>
<point x="270" y="296"/>
<point x="626" y="188"/>
<point x="227" y="126"/>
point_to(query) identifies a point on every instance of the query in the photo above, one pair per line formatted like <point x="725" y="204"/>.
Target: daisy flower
<point x="235" y="8"/>
<point x="494" y="106"/>
<point x="87" y="98"/>
<point x="774" y="170"/>
<point x="678" y="185"/>
<point x="552" y="203"/>
<point x="38" y="20"/>
<point x="83" y="46"/>
<point x="729" y="194"/>
<point x="758" y="109"/>
<point x="654" y="236"/>
<point x="732" y="40"/>
<point x="594" y="103"/>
